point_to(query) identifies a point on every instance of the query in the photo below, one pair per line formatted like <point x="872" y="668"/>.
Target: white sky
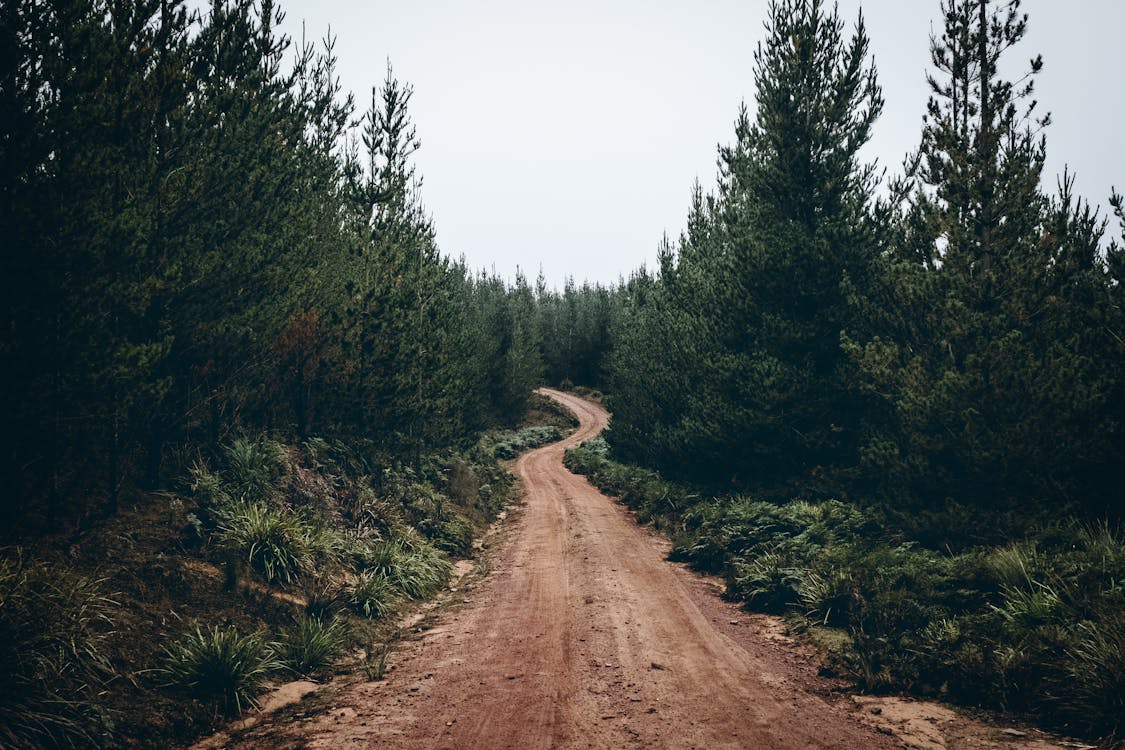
<point x="567" y="135"/>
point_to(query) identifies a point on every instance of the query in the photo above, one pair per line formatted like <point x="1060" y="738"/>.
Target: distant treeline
<point x="201" y="239"/>
<point x="953" y="337"/>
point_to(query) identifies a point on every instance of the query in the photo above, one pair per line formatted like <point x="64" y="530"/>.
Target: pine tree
<point x="994" y="363"/>
<point x="776" y="259"/>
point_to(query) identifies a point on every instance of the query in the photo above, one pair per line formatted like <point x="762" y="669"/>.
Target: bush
<point x="1034" y="625"/>
<point x="825" y="593"/>
<point x="370" y="594"/>
<point x="277" y="544"/>
<point x="1093" y="695"/>
<point x="208" y="486"/>
<point x="512" y="444"/>
<point x="254" y="466"/>
<point x="220" y="665"/>
<point x="454" y="537"/>
<point x="313" y="643"/>
<point x="53" y="630"/>
<point x="411" y="566"/>
<point x="767" y="582"/>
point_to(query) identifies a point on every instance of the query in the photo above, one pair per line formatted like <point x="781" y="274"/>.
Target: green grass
<point x="219" y="665"/>
<point x="370" y="594"/>
<point x="311" y="644"/>
<point x="278" y="544"/>
<point x="54" y="626"/>
<point x="1035" y="625"/>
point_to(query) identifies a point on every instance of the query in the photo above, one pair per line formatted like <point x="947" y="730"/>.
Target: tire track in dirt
<point x="584" y="636"/>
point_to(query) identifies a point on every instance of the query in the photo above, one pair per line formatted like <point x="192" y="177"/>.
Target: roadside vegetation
<point x="244" y="389"/>
<point x="1034" y="625"/>
<point x="252" y="410"/>
<point x="511" y="444"/>
<point x="269" y="562"/>
<point x="893" y="410"/>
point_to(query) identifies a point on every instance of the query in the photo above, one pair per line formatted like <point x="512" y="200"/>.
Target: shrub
<point x="825" y="595"/>
<point x="370" y="594"/>
<point x="53" y="630"/>
<point x="454" y="537"/>
<point x="253" y="466"/>
<point x="357" y="545"/>
<point x="275" y="543"/>
<point x="207" y="485"/>
<point x="311" y="644"/>
<point x="1093" y="695"/>
<point x="512" y="444"/>
<point x="411" y="566"/>
<point x="767" y="582"/>
<point x="219" y="665"/>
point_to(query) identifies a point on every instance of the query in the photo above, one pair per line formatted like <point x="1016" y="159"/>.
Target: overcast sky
<point x="567" y="135"/>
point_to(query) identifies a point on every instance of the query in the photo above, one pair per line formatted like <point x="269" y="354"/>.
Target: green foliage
<point x="939" y="369"/>
<point x="253" y="467"/>
<point x="454" y="537"/>
<point x="208" y="486"/>
<point x="511" y="444"/>
<point x="1034" y="625"/>
<point x="575" y="332"/>
<point x="278" y="544"/>
<point x="767" y="582"/>
<point x="219" y="665"/>
<point x="994" y="361"/>
<point x="1093" y="695"/>
<point x="411" y="566"/>
<point x="311" y="644"/>
<point x="151" y="307"/>
<point x="371" y="594"/>
<point x="727" y="366"/>
<point x="54" y="626"/>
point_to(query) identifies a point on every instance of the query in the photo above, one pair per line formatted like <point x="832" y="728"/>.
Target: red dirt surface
<point x="584" y="636"/>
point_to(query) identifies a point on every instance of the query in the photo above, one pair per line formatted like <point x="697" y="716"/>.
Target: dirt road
<point x="583" y="636"/>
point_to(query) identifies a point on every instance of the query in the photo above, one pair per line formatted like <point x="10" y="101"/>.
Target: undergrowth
<point x="1035" y="626"/>
<point x="508" y="445"/>
<point x="220" y="665"/>
<point x="264" y="563"/>
<point x="311" y="644"/>
<point x="54" y="624"/>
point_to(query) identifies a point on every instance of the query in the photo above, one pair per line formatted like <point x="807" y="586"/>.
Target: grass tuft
<point x="411" y="566"/>
<point x="371" y="594"/>
<point x="220" y="665"/>
<point x="277" y="544"/>
<point x="311" y="644"/>
<point x="253" y="466"/>
<point x="54" y="626"/>
<point x="1093" y="696"/>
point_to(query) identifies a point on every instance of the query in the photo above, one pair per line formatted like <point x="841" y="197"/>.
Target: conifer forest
<point x="884" y="407"/>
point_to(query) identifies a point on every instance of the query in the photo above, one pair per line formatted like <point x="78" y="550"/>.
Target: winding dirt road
<point x="584" y="636"/>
